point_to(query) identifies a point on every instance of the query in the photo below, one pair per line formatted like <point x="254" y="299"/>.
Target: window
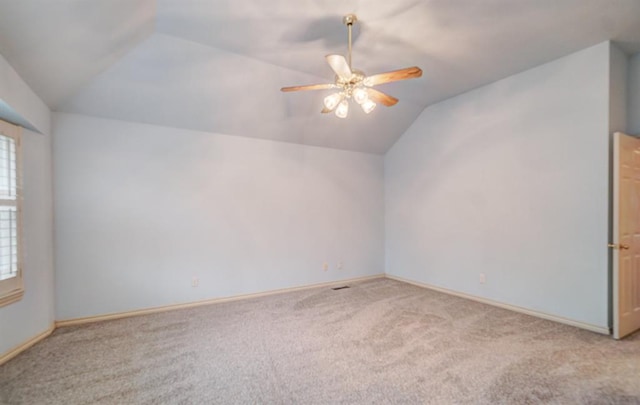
<point x="11" y="287"/>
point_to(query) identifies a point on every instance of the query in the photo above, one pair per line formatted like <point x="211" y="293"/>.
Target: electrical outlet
<point x="340" y="265"/>
<point x="195" y="281"/>
<point x="325" y="266"/>
<point x="483" y="278"/>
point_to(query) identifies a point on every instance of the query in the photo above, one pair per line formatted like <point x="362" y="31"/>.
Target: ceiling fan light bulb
<point x="368" y="106"/>
<point x="360" y="95"/>
<point x="343" y="109"/>
<point x="332" y="100"/>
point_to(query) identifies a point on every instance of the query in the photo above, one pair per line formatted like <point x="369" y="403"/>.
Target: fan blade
<point x="382" y="98"/>
<point x="310" y="87"/>
<point x="339" y="65"/>
<point x="393" y="76"/>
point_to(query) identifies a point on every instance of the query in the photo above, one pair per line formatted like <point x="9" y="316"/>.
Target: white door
<point x="626" y="234"/>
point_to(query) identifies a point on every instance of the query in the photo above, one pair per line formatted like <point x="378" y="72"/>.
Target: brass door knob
<point x="615" y="246"/>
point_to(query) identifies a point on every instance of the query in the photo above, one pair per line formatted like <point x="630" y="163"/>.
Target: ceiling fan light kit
<point x="343" y="109"/>
<point x="354" y="84"/>
<point x="332" y="100"/>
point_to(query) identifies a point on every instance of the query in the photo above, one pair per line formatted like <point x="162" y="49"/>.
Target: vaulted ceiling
<point x="217" y="66"/>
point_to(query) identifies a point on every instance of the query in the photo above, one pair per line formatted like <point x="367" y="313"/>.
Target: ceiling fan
<point x="353" y="83"/>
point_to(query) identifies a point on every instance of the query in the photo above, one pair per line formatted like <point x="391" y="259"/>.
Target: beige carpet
<point x="379" y="341"/>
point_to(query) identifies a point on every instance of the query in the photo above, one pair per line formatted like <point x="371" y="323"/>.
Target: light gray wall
<point x="142" y="209"/>
<point x="510" y="180"/>
<point x="33" y="314"/>
<point x="618" y="90"/>
<point x="634" y="95"/>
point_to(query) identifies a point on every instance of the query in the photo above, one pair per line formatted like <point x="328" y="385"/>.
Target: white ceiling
<point x="217" y="66"/>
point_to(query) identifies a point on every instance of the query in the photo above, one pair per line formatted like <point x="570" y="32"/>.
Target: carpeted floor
<point x="380" y="341"/>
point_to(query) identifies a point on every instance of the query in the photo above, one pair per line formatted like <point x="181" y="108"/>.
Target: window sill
<point x="11" y="297"/>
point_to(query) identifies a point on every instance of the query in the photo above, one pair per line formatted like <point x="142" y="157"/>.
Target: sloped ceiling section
<point x="178" y="83"/>
<point x="217" y="65"/>
<point x="58" y="46"/>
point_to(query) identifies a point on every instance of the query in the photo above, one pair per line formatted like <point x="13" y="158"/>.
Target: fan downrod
<point x="349" y="20"/>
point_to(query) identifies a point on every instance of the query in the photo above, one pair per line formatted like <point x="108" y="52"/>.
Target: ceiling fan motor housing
<point x="354" y="81"/>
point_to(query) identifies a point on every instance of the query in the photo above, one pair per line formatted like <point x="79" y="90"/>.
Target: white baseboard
<point x="559" y="319"/>
<point x="25" y="345"/>
<point x="146" y="311"/>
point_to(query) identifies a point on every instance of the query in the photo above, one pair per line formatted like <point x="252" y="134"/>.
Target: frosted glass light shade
<point x="332" y="100"/>
<point x="343" y="109"/>
<point x="368" y="106"/>
<point x="360" y="95"/>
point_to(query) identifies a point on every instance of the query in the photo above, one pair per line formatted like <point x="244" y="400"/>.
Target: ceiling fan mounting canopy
<point x="349" y="19"/>
<point x="353" y="83"/>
